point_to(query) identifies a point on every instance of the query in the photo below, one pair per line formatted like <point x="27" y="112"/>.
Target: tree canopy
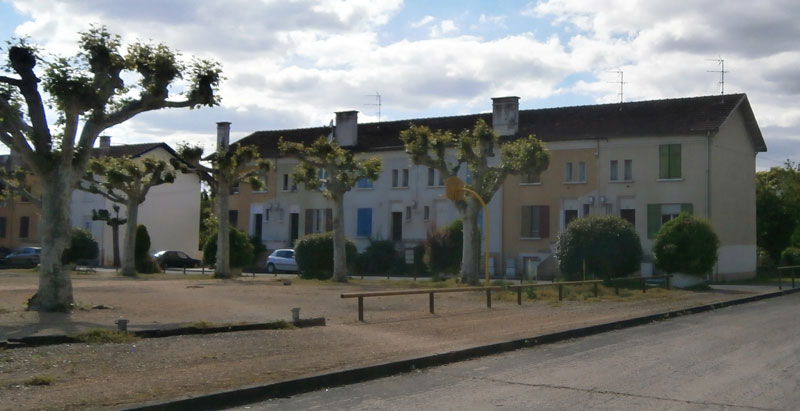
<point x="778" y="209"/>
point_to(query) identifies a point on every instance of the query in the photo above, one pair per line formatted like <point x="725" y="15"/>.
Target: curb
<point x="39" y="340"/>
<point x="281" y="389"/>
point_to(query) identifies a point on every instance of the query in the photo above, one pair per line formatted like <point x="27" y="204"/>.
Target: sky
<point x="293" y="64"/>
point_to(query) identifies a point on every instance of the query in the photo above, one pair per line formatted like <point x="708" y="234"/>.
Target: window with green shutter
<point x="669" y="161"/>
<point x="658" y="214"/>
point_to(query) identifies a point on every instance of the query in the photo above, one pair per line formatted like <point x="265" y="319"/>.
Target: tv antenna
<point x="720" y="62"/>
<point x="621" y="83"/>
<point x="378" y="99"/>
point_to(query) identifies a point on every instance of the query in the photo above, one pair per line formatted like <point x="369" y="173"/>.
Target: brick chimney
<point x="505" y="115"/>
<point x="105" y="141"/>
<point x="223" y="136"/>
<point x="346" y="132"/>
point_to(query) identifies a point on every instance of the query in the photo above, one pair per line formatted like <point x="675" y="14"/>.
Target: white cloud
<point x="446" y="27"/>
<point x="423" y="21"/>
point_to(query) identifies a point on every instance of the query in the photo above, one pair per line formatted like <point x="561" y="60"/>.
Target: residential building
<point x="644" y="161"/>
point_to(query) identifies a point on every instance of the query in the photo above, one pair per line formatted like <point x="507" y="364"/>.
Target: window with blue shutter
<point x="364" y="222"/>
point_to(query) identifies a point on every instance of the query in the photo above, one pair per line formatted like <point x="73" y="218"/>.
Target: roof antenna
<point x="378" y="99"/>
<point x="720" y="62"/>
<point x="621" y="83"/>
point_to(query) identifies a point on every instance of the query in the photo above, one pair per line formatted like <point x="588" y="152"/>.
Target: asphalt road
<point x="745" y="357"/>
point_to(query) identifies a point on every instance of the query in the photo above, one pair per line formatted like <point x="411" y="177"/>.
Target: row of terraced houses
<point x="643" y="161"/>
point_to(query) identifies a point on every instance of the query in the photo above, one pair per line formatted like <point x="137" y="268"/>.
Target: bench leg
<point x="430" y="302"/>
<point x="519" y="296"/>
<point x="361" y="309"/>
<point x="488" y="298"/>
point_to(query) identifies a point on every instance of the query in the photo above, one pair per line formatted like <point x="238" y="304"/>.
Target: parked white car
<point x="281" y="260"/>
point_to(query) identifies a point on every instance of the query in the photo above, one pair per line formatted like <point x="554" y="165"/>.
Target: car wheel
<point x="271" y="268"/>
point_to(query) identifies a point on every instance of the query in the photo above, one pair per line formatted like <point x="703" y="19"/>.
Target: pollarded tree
<point x="89" y="95"/>
<point x="686" y="244"/>
<point x="474" y="148"/>
<point x="342" y="171"/>
<point x="127" y="181"/>
<point x="113" y="222"/>
<point x="606" y="246"/>
<point x="228" y="168"/>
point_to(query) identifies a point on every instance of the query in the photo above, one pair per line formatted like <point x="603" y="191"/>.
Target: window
<point x="405" y="177"/>
<point x="364" y="222"/>
<point x="395" y="178"/>
<point x="628" y="173"/>
<point x="266" y="215"/>
<point x="234" y="188"/>
<point x="285" y="182"/>
<point x="535" y="221"/>
<point x="669" y="161"/>
<point x="317" y="218"/>
<point x="426" y="213"/>
<point x="400" y="177"/>
<point x="658" y="214"/>
<point x="2" y="227"/>
<point x="24" y="225"/>
<point x="233" y="217"/>
<point x="531" y="178"/>
<point x="570" y="216"/>
<point x="628" y="214"/>
<point x="568" y="171"/>
<point x="582" y="171"/>
<point x="364" y="183"/>
<point x="431" y="177"/>
<point x="614" y="174"/>
<point x="408" y="213"/>
<point x="258" y="225"/>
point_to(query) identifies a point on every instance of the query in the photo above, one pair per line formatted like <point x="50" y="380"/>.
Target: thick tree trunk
<point x="222" y="269"/>
<point x="471" y="249"/>
<point x="129" y="248"/>
<point x="55" y="283"/>
<point x="339" y="241"/>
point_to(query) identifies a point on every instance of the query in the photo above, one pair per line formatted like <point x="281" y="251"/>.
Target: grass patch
<point x="105" y="336"/>
<point x="41" y="380"/>
<point x="4" y="310"/>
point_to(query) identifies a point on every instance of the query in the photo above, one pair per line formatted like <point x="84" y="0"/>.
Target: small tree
<point x="606" y="246"/>
<point x="240" y="246"/>
<point x="342" y="171"/>
<point x="143" y="261"/>
<point x="114" y="223"/>
<point x="127" y="181"/>
<point x="686" y="244"/>
<point x="443" y="248"/>
<point x="228" y="168"/>
<point x="474" y="149"/>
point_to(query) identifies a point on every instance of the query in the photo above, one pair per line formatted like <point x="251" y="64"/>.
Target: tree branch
<point x="11" y="81"/>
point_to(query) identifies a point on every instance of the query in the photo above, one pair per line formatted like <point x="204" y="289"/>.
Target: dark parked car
<point x="177" y="259"/>
<point x="27" y="257"/>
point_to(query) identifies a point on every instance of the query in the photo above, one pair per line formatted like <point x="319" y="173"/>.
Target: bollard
<point x="296" y="314"/>
<point x="122" y="324"/>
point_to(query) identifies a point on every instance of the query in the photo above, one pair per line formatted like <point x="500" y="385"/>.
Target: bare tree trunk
<point x="339" y="241"/>
<point x="129" y="248"/>
<point x="471" y="249"/>
<point x="222" y="268"/>
<point x="55" y="284"/>
<point x="115" y="235"/>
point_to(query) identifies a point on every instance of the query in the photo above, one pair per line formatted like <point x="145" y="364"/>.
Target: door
<point x="397" y="226"/>
<point x="294" y="229"/>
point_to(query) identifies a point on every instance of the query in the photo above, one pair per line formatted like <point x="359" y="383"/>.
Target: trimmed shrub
<point x="686" y="244"/>
<point x="419" y="261"/>
<point x="443" y="248"/>
<point x="790" y="256"/>
<point x="607" y="245"/>
<point x="240" y="249"/>
<point x="378" y="258"/>
<point x="143" y="261"/>
<point x="314" y="255"/>
<point x="82" y="247"/>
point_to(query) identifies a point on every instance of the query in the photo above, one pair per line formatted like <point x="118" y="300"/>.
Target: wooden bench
<point x="429" y="291"/>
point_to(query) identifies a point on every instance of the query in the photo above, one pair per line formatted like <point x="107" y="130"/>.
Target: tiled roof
<point x="654" y="118"/>
<point x="132" y="150"/>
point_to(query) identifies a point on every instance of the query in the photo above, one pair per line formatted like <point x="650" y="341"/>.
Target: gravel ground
<point x="112" y="375"/>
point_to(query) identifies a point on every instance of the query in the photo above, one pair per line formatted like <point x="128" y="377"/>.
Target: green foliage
<point x="39" y="380"/>
<point x="443" y="248"/>
<point x="105" y="336"/>
<point x="241" y="249"/>
<point x="378" y="258"/>
<point x="131" y="177"/>
<point x="208" y="221"/>
<point x="686" y="244"/>
<point x="82" y="247"/>
<point x="142" y="249"/>
<point x="419" y="267"/>
<point x="790" y="256"/>
<point x="778" y="209"/>
<point x="258" y="246"/>
<point x="314" y="255"/>
<point x="607" y="245"/>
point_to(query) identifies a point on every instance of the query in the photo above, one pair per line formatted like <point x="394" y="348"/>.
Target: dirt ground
<point x="398" y="327"/>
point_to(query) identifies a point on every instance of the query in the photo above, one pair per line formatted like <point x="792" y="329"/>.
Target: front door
<point x="397" y="226"/>
<point x="294" y="229"/>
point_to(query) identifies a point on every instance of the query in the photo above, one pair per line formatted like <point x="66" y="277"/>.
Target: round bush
<point x="82" y="247"/>
<point x="686" y="244"/>
<point x="378" y="258"/>
<point x="790" y="256"/>
<point x="314" y="255"/>
<point x="240" y="250"/>
<point x="443" y="248"/>
<point x="607" y="245"/>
